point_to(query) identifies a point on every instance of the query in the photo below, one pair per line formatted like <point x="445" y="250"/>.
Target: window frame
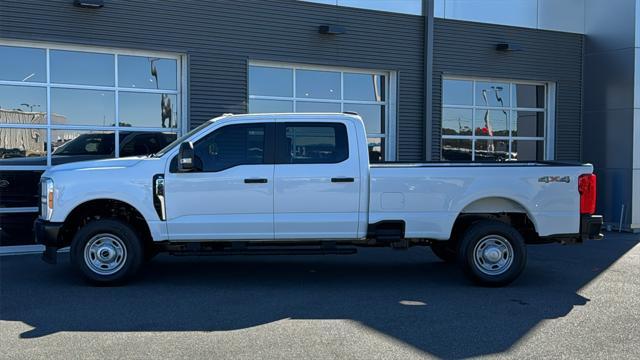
<point x="340" y="131"/>
<point x="181" y="108"/>
<point x="389" y="127"/>
<point x="548" y="112"/>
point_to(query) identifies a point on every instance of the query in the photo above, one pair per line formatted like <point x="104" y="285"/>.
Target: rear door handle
<point x="255" y="181"/>
<point x="342" y="179"/>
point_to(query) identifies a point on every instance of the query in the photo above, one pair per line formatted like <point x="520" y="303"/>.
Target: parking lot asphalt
<point x="579" y="301"/>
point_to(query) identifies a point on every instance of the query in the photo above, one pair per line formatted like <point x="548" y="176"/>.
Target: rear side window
<point x="312" y="143"/>
<point x="231" y="146"/>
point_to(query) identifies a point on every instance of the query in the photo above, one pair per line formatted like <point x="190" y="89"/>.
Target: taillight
<point x="587" y="189"/>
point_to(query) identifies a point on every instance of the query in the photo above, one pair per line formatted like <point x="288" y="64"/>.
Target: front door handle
<point x="342" y="179"/>
<point x="255" y="181"/>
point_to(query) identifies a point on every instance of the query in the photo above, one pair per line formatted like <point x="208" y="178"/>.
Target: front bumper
<point x="48" y="234"/>
<point x="590" y="227"/>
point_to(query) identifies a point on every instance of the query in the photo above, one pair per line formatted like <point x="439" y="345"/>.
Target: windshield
<point x="181" y="139"/>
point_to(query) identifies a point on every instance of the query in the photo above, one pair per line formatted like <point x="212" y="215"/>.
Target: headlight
<point x="46" y="198"/>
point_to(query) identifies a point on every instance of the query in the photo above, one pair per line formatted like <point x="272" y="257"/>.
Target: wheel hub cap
<point x="105" y="254"/>
<point x="493" y="255"/>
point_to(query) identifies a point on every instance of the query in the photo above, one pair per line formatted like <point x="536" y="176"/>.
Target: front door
<point x="317" y="181"/>
<point x="229" y="194"/>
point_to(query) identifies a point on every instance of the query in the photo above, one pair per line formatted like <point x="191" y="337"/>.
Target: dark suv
<point x="19" y="188"/>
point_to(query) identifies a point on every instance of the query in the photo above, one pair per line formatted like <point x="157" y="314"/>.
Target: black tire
<point x="112" y="237"/>
<point x="500" y="242"/>
<point x="445" y="250"/>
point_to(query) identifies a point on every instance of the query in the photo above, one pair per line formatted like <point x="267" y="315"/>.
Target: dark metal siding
<point x="467" y="48"/>
<point x="219" y="38"/>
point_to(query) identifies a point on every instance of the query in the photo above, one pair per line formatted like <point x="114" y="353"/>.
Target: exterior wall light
<point x="508" y="47"/>
<point x="332" y="29"/>
<point x="88" y="4"/>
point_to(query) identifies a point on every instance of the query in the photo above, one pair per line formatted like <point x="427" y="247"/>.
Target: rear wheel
<point x="107" y="251"/>
<point x="492" y="253"/>
<point x="445" y="250"/>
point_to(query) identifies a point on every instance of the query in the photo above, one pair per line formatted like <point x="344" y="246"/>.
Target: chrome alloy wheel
<point x="493" y="255"/>
<point x="105" y="254"/>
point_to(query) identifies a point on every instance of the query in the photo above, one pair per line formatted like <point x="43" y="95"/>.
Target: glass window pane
<point x="23" y="105"/>
<point x="317" y="84"/>
<point x="492" y="94"/>
<point x="372" y="115"/>
<point x="456" y="150"/>
<point x="76" y="145"/>
<point x="310" y="106"/>
<point x="529" y="96"/>
<point x="23" y="146"/>
<point x="138" y="143"/>
<point x="376" y="150"/>
<point x="23" y="64"/>
<point x="457" y="92"/>
<point x="492" y="122"/>
<point x="270" y="106"/>
<point x="369" y="87"/>
<point x="316" y="143"/>
<point x="456" y="121"/>
<point x="147" y="72"/>
<point x="230" y="146"/>
<point x="528" y="123"/>
<point x="270" y="81"/>
<point x="527" y="150"/>
<point x="148" y="110"/>
<point x="492" y="150"/>
<point x="82" y="107"/>
<point x="81" y="68"/>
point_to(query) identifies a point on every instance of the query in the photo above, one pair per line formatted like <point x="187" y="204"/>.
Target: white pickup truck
<point x="302" y="184"/>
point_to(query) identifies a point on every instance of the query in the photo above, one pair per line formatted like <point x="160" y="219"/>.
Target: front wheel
<point x="107" y="251"/>
<point x="492" y="253"/>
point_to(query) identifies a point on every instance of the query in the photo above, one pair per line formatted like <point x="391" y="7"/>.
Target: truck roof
<point x="317" y="115"/>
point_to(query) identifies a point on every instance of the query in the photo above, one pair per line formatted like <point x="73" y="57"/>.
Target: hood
<point x="104" y="164"/>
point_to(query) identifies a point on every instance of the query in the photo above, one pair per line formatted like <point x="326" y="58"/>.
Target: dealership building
<point x="434" y="80"/>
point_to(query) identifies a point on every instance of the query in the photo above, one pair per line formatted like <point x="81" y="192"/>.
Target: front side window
<point x="314" y="144"/>
<point x="293" y="88"/>
<point x="230" y="146"/>
<point x="493" y="120"/>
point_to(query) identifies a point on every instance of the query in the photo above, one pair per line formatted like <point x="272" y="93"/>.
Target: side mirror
<point x="185" y="157"/>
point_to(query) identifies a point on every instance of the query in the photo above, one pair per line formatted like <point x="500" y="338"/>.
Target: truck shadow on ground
<point x="408" y="295"/>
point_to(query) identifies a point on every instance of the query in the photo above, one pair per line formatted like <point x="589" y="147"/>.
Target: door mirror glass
<point x="185" y="157"/>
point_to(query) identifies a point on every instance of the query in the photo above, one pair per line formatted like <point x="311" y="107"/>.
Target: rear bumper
<point x="591" y="227"/>
<point x="48" y="234"/>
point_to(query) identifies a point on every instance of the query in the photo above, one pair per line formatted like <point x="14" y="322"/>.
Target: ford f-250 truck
<point x="302" y="184"/>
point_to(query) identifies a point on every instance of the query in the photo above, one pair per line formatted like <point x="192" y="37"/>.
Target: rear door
<point x="317" y="181"/>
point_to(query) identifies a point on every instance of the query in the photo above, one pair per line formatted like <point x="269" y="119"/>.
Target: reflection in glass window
<point x="501" y="115"/>
<point x="369" y="87"/>
<point x="492" y="94"/>
<point x="148" y="110"/>
<point x="144" y="143"/>
<point x="457" y="92"/>
<point x="492" y="122"/>
<point x="529" y="96"/>
<point x="23" y="143"/>
<point x="313" y="106"/>
<point x="147" y="72"/>
<point x="81" y="68"/>
<point x="80" y="142"/>
<point x="23" y="105"/>
<point x="376" y="150"/>
<point x="270" y="81"/>
<point x="372" y="115"/>
<point x="456" y="150"/>
<point x="257" y="106"/>
<point x="318" y="84"/>
<point x="528" y="123"/>
<point x="83" y="107"/>
<point x="456" y="121"/>
<point x="23" y="64"/>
